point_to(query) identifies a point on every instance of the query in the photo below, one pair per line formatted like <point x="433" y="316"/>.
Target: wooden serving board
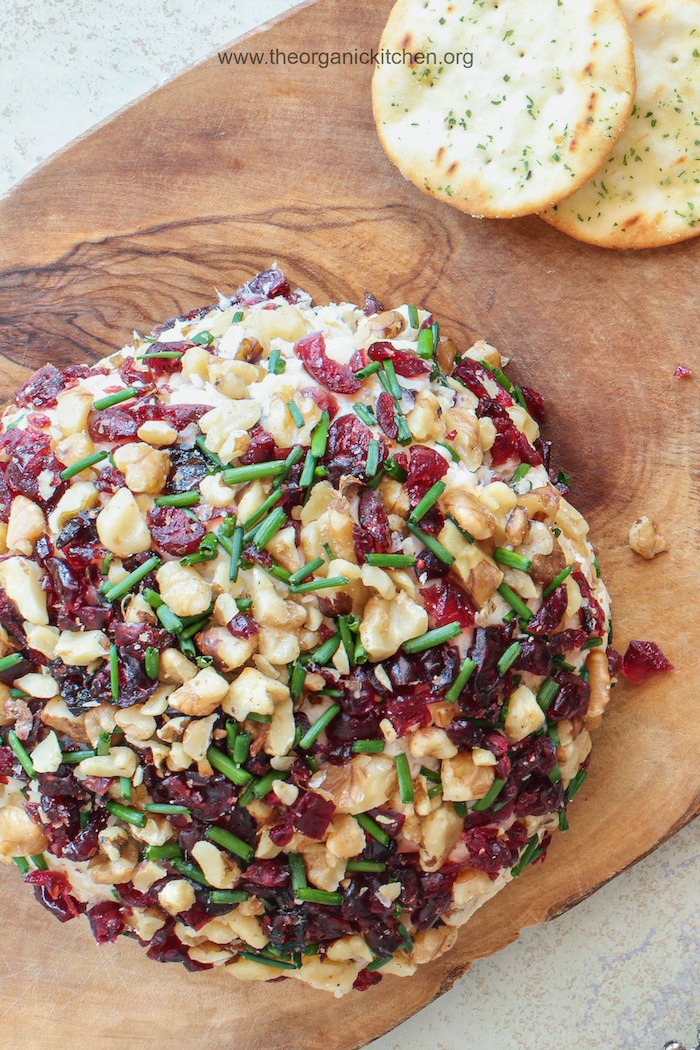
<point x="208" y="180"/>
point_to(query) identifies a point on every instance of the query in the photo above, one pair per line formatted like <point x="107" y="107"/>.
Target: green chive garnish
<point x="430" y="775"/>
<point x="319" y="725"/>
<point x="576" y="785"/>
<point x="529" y="854"/>
<point x="563" y="822"/>
<point x="178" y="499"/>
<point x="307" y="474"/>
<point x="369" y="370"/>
<point x="372" y="458"/>
<point x="241" y="748"/>
<point x="72" y="758"/>
<point x="432" y="638"/>
<point x="275" y="363"/>
<point x="189" y="871"/>
<point x="227" y="897"/>
<point x="557" y="581"/>
<point x="252" y="472"/>
<point x="269" y="528"/>
<point x="296" y="682"/>
<point x="125" y="788"/>
<point x="320" y="436"/>
<point x="429" y="500"/>
<point x="436" y="548"/>
<point x="115" y="399"/>
<point x="165" y="354"/>
<point x="237" y="317"/>
<point x="425" y="343"/>
<point x="515" y="602"/>
<point x="555" y="775"/>
<point x="365" y="865"/>
<point x="367" y="747"/>
<point x="223" y="764"/>
<point x="297" y="870"/>
<point x="413" y="317"/>
<point x="165" y="807"/>
<point x="151" y="662"/>
<point x="167" y="617"/>
<point x="82" y="464"/>
<point x="592" y="643"/>
<point x="392" y="381"/>
<point x="520" y="473"/>
<point x="10" y="661"/>
<point x="509" y="657"/>
<point x="295" y="413"/>
<point x="118" y="590"/>
<point x="403" y="772"/>
<point x="266" y="960"/>
<point x="466" y="671"/>
<point x="126" y="813"/>
<point x="372" y="828"/>
<point x="514" y="561"/>
<point x="377" y="963"/>
<point x="22" y="864"/>
<point x="104" y="743"/>
<point x="546" y="693"/>
<point x="391" y="561"/>
<point x="490" y="798"/>
<point x="230" y="842"/>
<point x="264" y="786"/>
<point x="202" y="339"/>
<point x="365" y="413"/>
<point x="313" y="896"/>
<point x="319" y="585"/>
<point x="327" y="650"/>
<point x="460" y="809"/>
<point x="305" y="571"/>
<point x="21" y="755"/>
<point x="454" y="455"/>
<point x="114" y="671"/>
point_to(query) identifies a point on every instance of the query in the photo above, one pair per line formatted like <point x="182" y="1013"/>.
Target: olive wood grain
<point x="208" y="180"/>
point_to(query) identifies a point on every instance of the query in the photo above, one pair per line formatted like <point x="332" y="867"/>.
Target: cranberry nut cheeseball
<point x="301" y="642"/>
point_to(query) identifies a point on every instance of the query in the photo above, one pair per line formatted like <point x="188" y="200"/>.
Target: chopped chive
<point x="347" y="638"/>
<point x="115" y="399"/>
<point x="393" y="383"/>
<point x="207" y="550"/>
<point x="230" y="842"/>
<point x="376" y="964"/>
<point x="369" y="370"/>
<point x="10" y="661"/>
<point x="509" y="657"/>
<point x="307" y="474"/>
<point x="403" y="773"/>
<point x="394" y="470"/>
<point x="306" y="570"/>
<point x="432" y="638"/>
<point x="576" y="785"/>
<point x="151" y="662"/>
<point x="296" y="682"/>
<point x="413" y="317"/>
<point x="319" y="585"/>
<point x="168" y="852"/>
<point x="118" y="590"/>
<point x="561" y="664"/>
<point x="563" y="822"/>
<point x="160" y="354"/>
<point x="329" y="551"/>
<point x="430" y="775"/>
<point x="265" y="719"/>
<point x="236" y="550"/>
<point x="125" y="788"/>
<point x="367" y="747"/>
<point x="167" y="617"/>
<point x="404" y="436"/>
<point x="194" y="628"/>
<point x="460" y="809"/>
<point x="82" y="464"/>
<point x="373" y="829"/>
<point x="237" y="317"/>
<point x="520" y="473"/>
<point x="114" y="672"/>
<point x="200" y="442"/>
<point x="263" y="786"/>
<point x="267" y="960"/>
<point x="513" y="560"/>
<point x="553" y="735"/>
<point x="72" y="758"/>
<point x="244" y="604"/>
<point x="361" y="656"/>
<point x="529" y="854"/>
<point x="425" y="344"/>
<point x="165" y="807"/>
<point x="436" y="548"/>
<point x="22" y="864"/>
<point x="106" y="562"/>
<point x="592" y="643"/>
<point x="429" y="500"/>
<point x="18" y="694"/>
<point x="223" y="764"/>
<point x="435" y="329"/>
<point x="557" y="581"/>
<point x="365" y="413"/>
<point x="488" y="799"/>
<point x="295" y="413"/>
<point x="312" y="896"/>
<point x="435" y="790"/>
<point x="252" y="472"/>
<point x="372" y="464"/>
<point x="39" y="861"/>
<point x="268" y="529"/>
<point x="178" y="499"/>
<point x="21" y="755"/>
<point x="241" y="748"/>
<point x="555" y="775"/>
<point x="126" y="813"/>
<point x="453" y="452"/>
<point x="596" y="566"/>
<point x="319" y="725"/>
<point x="391" y="561"/>
<point x="463" y="532"/>
<point x="202" y="339"/>
<point x="189" y="871"/>
<point x="104" y="742"/>
<point x="276" y="363"/>
<point x="297" y="870"/>
<point x="515" y="602"/>
<point x="327" y="650"/>
<point x="584" y="673"/>
<point x="320" y="436"/>
<point x="466" y="671"/>
<point x="546" y="693"/>
<point x="365" y="865"/>
<point x="231" y="736"/>
<point x="227" y="897"/>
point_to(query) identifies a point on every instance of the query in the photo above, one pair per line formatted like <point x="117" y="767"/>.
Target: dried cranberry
<point x="373" y="517"/>
<point x="86" y="843"/>
<point x="437" y="891"/>
<point x="426" y="675"/>
<point x="267" y="874"/>
<point x="41" y="389"/>
<point x="268" y="284"/>
<point x="188" y="466"/>
<point x="365" y="980"/>
<point x="110" y="480"/>
<point x="166" y="947"/>
<point x="534" y="403"/>
<point x="425" y="468"/>
<point x="242" y="626"/>
<point x="135" y="638"/>
<point x="446" y="603"/>
<point x="488" y="850"/>
<point x="643" y="659"/>
<point x="682" y="372"/>
<point x="261" y="448"/>
<point x="312" y="815"/>
<point x="52" y="889"/>
<point x="323" y="398"/>
<point x="614" y="662"/>
<point x="11" y="620"/>
<point x="539" y="798"/>
<point x="535" y="657"/>
<point x="592" y="615"/>
<point x="311" y="351"/>
<point x="551" y="612"/>
<point x="407" y="714"/>
<point x="30" y="455"/>
<point x="406" y="363"/>
<point x="115" y="425"/>
<point x="160" y="366"/>
<point x="207" y="798"/>
<point x="563" y="642"/>
<point x="372" y="305"/>
<point x="386" y="415"/>
<point x="106" y="922"/>
<point x="346" y="451"/>
<point x="430" y="566"/>
<point x="173" y="531"/>
<point x="473" y="375"/>
<point x="573" y="697"/>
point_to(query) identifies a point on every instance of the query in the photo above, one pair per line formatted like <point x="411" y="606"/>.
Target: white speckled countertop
<point x="622" y="969"/>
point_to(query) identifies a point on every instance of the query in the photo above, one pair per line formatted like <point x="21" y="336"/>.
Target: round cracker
<point x="648" y="192"/>
<point x="548" y="94"/>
